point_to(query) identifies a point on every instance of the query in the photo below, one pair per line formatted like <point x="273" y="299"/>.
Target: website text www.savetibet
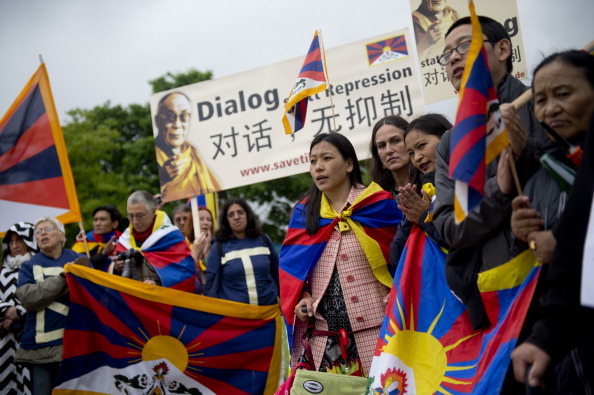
<point x="281" y="164"/>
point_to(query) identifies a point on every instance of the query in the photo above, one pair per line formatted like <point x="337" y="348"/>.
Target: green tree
<point x="112" y="150"/>
<point x="171" y="81"/>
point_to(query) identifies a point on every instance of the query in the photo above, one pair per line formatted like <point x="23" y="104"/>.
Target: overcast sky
<point x="100" y="50"/>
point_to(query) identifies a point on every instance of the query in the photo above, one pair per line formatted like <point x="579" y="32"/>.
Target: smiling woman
<point x="421" y="137"/>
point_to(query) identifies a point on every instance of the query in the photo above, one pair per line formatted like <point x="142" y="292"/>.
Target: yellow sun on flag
<point x="166" y="347"/>
<point x="423" y="354"/>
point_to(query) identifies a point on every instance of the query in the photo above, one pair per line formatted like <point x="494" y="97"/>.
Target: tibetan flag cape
<point x="311" y="80"/>
<point x="479" y="133"/>
<point x="374" y="217"/>
<point x="166" y="249"/>
<point x="426" y="343"/>
<point x="124" y="336"/>
<point x="95" y="242"/>
<point x="35" y="175"/>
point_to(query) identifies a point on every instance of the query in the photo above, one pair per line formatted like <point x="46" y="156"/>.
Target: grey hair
<point x="184" y="208"/>
<point x="143" y="197"/>
<point x="57" y="224"/>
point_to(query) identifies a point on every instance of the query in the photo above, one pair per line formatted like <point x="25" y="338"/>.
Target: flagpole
<point x="84" y="238"/>
<point x="195" y="217"/>
<point x="327" y="79"/>
<point x="514" y="171"/>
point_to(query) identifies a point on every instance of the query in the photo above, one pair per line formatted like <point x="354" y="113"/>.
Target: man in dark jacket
<point x="483" y="240"/>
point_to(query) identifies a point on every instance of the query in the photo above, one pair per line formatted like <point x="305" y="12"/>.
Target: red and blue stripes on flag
<point x="506" y="292"/>
<point x="479" y="134"/>
<point x="377" y="51"/>
<point x="35" y="175"/>
<point x="311" y="80"/>
<point x="170" y="258"/>
<point x="125" y="336"/>
<point x="427" y="344"/>
<point x="168" y="252"/>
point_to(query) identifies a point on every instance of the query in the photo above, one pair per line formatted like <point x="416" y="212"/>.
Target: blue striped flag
<point x="35" y="175"/>
<point x="311" y="80"/>
<point x="124" y="336"/>
<point x="479" y="133"/>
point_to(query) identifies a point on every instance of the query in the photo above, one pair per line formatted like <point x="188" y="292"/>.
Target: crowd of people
<point x="345" y="239"/>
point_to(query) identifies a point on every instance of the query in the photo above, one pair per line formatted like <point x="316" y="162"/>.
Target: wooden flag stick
<point x="514" y="171"/>
<point x="195" y="217"/>
<point x="84" y="238"/>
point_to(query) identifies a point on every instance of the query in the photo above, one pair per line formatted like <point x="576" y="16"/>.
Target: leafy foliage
<point x="171" y="81"/>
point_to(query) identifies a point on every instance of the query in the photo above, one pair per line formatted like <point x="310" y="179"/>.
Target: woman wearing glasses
<point x="43" y="292"/>
<point x="182" y="172"/>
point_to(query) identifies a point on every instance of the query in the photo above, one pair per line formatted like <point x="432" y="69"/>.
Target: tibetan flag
<point x="386" y="50"/>
<point x="506" y="292"/>
<point x="124" y="336"/>
<point x="167" y="251"/>
<point x="479" y="133"/>
<point x="311" y="80"/>
<point x="426" y="343"/>
<point x="35" y="175"/>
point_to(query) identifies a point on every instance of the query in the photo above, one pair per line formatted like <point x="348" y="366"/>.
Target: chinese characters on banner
<point x="431" y="22"/>
<point x="234" y="123"/>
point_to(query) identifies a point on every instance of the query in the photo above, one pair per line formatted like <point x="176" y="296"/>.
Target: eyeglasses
<point x="171" y="117"/>
<point x="462" y="49"/>
<point x="137" y="216"/>
<point x="47" y="229"/>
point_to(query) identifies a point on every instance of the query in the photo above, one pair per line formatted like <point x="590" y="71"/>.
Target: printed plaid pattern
<point x="363" y="293"/>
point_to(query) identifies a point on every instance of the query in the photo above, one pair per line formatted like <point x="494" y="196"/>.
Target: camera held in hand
<point x="133" y="260"/>
<point x="16" y="327"/>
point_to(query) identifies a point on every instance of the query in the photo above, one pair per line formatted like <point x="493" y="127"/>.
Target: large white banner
<point x="225" y="133"/>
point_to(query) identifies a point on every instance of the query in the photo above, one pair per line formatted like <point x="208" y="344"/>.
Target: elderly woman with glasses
<point x="43" y="292"/>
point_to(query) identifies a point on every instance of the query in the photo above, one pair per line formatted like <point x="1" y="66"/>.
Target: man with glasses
<point x="182" y="172"/>
<point x="151" y="249"/>
<point x="484" y="239"/>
